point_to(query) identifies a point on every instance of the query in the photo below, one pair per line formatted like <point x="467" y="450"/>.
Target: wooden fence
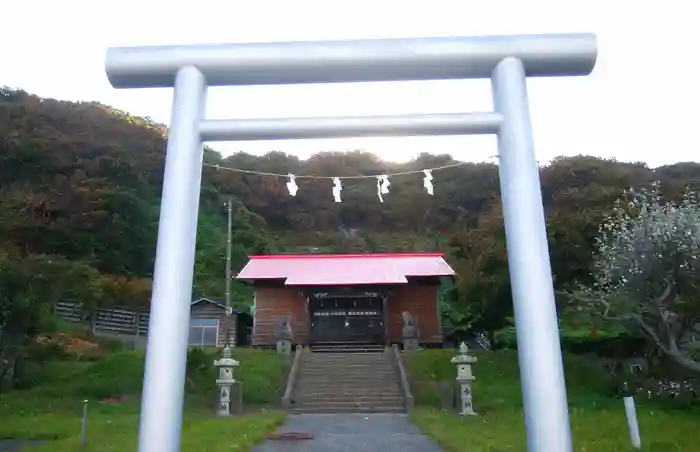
<point x="112" y="321"/>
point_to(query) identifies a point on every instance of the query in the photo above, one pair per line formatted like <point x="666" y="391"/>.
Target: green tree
<point x="29" y="287"/>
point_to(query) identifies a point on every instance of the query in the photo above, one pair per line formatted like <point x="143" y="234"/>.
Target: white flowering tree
<point x="647" y="272"/>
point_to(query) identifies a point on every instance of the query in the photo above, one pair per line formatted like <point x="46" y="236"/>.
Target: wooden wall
<point x="421" y="302"/>
<point x="273" y="302"/>
<point x="270" y="304"/>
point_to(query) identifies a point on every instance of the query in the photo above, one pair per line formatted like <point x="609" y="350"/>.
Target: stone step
<point x="343" y="352"/>
<point x="331" y="410"/>
<point x="331" y="385"/>
<point x="368" y="383"/>
<point x="363" y="367"/>
<point x="347" y="348"/>
<point x="320" y="392"/>
<point x="344" y="363"/>
<point x="346" y="377"/>
<point x="348" y="351"/>
<point x="329" y="363"/>
<point x="345" y="383"/>
<point x="353" y="395"/>
<point x="332" y="373"/>
<point x="328" y="389"/>
<point x="345" y="366"/>
<point x="347" y="359"/>
<point x="346" y="370"/>
<point x="374" y="355"/>
<point x="349" y="389"/>
<point x="326" y="410"/>
<point x="339" y="384"/>
<point x="346" y="389"/>
<point x="386" y="399"/>
<point x="344" y="357"/>
<point x="347" y="403"/>
<point x="335" y="367"/>
<point x="347" y="408"/>
<point x="336" y="373"/>
<point x="349" y="393"/>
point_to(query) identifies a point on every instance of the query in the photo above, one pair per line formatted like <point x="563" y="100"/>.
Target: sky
<point x="640" y="103"/>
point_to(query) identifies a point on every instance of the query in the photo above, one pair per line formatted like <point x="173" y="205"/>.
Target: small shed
<point x="346" y="298"/>
<point x="209" y="321"/>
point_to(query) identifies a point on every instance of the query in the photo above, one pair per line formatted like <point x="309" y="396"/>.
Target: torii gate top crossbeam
<point x="363" y="60"/>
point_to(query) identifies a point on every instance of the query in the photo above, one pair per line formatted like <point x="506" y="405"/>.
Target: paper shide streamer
<point x="292" y="185"/>
<point x="382" y="187"/>
<point x="428" y="182"/>
<point x="337" y="188"/>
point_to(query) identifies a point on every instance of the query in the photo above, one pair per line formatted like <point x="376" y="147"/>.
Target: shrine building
<point x="346" y="298"/>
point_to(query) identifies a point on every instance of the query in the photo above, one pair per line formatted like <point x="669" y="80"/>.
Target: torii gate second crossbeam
<point x="506" y="60"/>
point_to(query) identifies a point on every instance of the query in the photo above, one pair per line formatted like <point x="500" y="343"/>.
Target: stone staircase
<point x="347" y="379"/>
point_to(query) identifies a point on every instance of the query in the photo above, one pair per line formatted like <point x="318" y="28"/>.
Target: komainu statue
<point x="284" y="335"/>
<point x="283" y="332"/>
<point x="410" y="328"/>
<point x="409" y="332"/>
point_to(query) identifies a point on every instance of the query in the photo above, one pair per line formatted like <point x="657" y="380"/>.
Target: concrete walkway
<point x="351" y="433"/>
<point x="12" y="445"/>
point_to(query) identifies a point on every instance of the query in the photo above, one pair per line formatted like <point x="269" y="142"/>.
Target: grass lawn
<point x="52" y="409"/>
<point x="597" y="419"/>
<point x="118" y="431"/>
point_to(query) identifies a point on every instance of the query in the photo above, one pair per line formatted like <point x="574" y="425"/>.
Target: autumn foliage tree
<point x="82" y="181"/>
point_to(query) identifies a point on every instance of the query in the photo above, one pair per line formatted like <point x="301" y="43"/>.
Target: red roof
<point x="344" y="269"/>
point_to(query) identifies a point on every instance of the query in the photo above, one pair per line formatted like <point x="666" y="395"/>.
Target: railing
<point x="292" y="378"/>
<point x="403" y="376"/>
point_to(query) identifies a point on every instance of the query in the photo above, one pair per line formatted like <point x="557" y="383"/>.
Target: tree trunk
<point x="684" y="361"/>
<point x="7" y="371"/>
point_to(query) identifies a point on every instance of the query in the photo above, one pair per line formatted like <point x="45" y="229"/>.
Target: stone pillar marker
<point x="225" y="381"/>
<point x="464" y="379"/>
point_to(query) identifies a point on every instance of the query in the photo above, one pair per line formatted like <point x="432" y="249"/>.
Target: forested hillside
<point x="79" y="201"/>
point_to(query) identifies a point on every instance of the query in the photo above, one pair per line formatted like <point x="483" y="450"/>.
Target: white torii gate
<point x="506" y="60"/>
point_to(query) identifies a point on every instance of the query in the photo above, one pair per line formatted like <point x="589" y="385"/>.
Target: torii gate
<point x="506" y="60"/>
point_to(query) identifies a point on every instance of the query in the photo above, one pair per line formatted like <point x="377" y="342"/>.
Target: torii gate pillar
<point x="506" y="60"/>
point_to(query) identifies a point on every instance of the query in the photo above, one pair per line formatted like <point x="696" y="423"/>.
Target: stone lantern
<point x="225" y="381"/>
<point x="464" y="379"/>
